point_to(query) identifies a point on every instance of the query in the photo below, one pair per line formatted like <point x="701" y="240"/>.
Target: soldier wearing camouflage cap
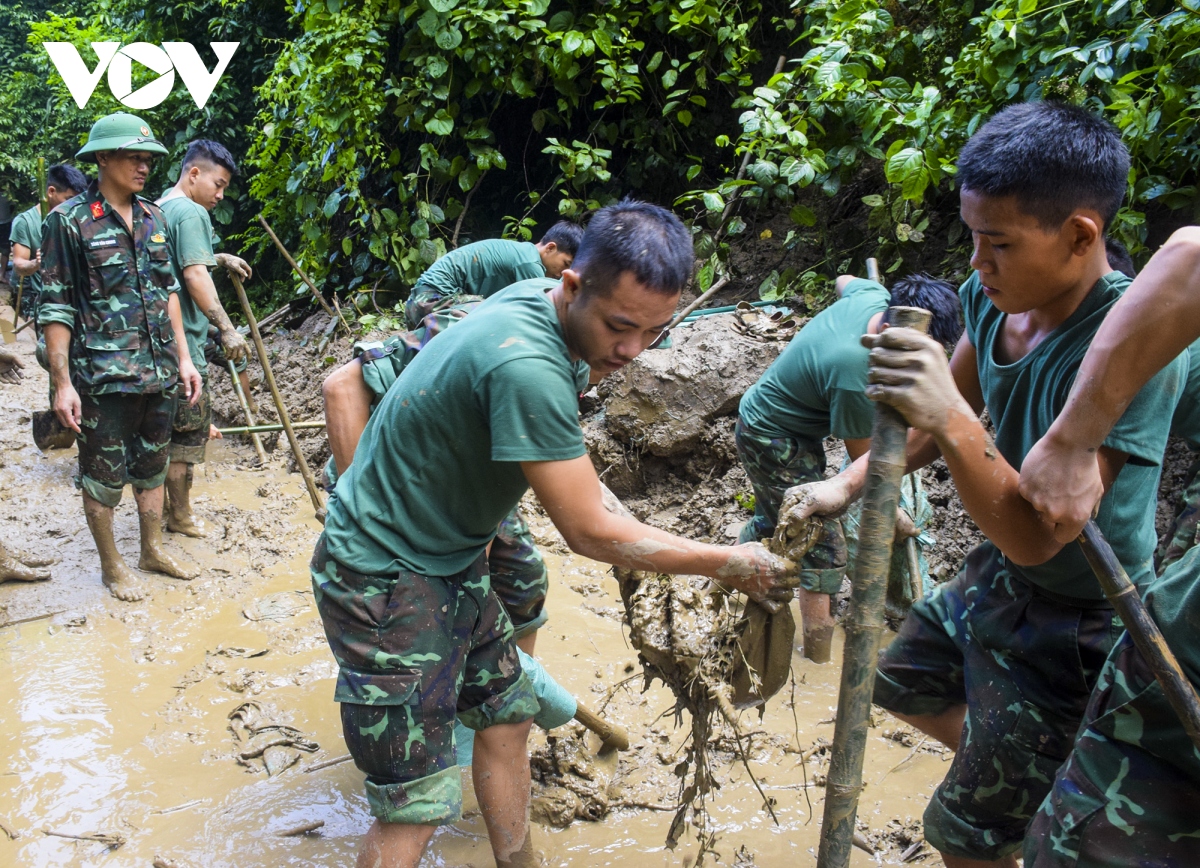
<point x="116" y="344"/>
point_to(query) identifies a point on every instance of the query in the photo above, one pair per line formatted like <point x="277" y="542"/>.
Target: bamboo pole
<point x="300" y="271"/>
<point x="246" y="411"/>
<point x="705" y="296"/>
<point x="271" y="428"/>
<point x="313" y="492"/>
<point x="17" y="303"/>
<point x="1149" y="640"/>
<point x="865" y="624"/>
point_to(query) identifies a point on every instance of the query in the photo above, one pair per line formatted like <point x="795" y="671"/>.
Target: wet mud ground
<point x="114" y="717"/>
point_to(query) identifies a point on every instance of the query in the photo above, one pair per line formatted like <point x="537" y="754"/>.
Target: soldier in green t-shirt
<point x="999" y="662"/>
<point x="204" y="176"/>
<point x="63" y="182"/>
<point x="115" y="342"/>
<point x="1129" y="794"/>
<point x="479" y="270"/>
<point x="484" y="412"/>
<point x="814" y="390"/>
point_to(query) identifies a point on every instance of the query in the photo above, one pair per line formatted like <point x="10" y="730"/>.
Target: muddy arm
<point x="570" y="493"/>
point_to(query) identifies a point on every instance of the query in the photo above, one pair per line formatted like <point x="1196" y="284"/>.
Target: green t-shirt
<point x="1024" y="398"/>
<point x="27" y="230"/>
<point x="191" y="239"/>
<point x="436" y="469"/>
<point x="1186" y="421"/>
<point x="816" y="387"/>
<point x="483" y="268"/>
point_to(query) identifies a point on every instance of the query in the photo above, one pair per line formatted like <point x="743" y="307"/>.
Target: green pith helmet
<point x="121" y="131"/>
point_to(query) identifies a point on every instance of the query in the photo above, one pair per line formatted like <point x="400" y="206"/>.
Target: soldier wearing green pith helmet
<point x="118" y="354"/>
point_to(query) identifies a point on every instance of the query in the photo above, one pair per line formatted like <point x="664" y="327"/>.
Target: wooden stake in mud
<point x="864" y="625"/>
<point x="300" y="271"/>
<point x="1149" y="640"/>
<point x="244" y="401"/>
<point x="612" y="734"/>
<point x="313" y="492"/>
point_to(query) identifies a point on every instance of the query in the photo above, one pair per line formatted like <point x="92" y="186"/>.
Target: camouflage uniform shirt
<point x="111" y="289"/>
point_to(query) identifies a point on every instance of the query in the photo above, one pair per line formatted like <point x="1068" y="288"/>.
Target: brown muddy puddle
<point x="115" y="716"/>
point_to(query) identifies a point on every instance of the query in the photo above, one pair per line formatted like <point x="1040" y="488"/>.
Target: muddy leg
<point x="179" y="501"/>
<point x="12" y="570"/>
<point x="526" y="642"/>
<point x="117" y="577"/>
<point x="394" y="845"/>
<point x="154" y="556"/>
<point x="501" y="772"/>
<point x="818" y="626"/>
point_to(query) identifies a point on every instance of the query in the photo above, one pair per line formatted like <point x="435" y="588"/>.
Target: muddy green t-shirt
<point x="1024" y="398"/>
<point x="1186" y="421"/>
<point x="191" y="239"/>
<point x="27" y="230"/>
<point x="816" y="388"/>
<point x="484" y="268"/>
<point x="437" y="467"/>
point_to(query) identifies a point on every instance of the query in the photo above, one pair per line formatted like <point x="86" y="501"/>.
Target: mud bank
<point x="116" y="717"/>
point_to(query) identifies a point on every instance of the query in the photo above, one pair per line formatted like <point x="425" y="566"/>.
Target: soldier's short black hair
<point x="939" y="297"/>
<point x="64" y="176"/>
<point x="208" y="151"/>
<point x="1053" y="157"/>
<point x="646" y="240"/>
<point x="565" y="235"/>
<point x="1118" y="257"/>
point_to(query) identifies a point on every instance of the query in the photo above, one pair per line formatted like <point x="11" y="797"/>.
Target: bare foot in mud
<point x="122" y="582"/>
<point x="156" y="560"/>
<point x="33" y="560"/>
<point x="12" y="570"/>
<point x="186" y="524"/>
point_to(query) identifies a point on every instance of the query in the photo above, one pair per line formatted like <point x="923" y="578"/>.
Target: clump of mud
<point x="570" y="782"/>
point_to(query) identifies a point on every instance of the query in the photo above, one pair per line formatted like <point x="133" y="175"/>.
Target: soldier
<point x="207" y="170"/>
<point x="115" y="342"/>
<point x="486" y="267"/>
<point x="63" y="182"/>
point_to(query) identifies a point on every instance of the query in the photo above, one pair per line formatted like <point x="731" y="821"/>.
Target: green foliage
<point x="896" y="87"/>
<point x="383" y="119"/>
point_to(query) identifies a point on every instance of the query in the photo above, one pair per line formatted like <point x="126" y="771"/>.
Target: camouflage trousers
<point x="413" y="652"/>
<point x="29" y="305"/>
<point x="425" y="299"/>
<point x="775" y="464"/>
<point x="1024" y="663"/>
<point x="123" y="439"/>
<point x="1186" y="525"/>
<point x="189" y="434"/>
<point x="1129" y="795"/>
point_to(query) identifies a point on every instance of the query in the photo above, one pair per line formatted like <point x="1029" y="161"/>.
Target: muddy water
<point x="114" y="717"/>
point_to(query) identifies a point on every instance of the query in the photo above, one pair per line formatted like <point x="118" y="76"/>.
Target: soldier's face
<point x="609" y="331"/>
<point x="125" y="170"/>
<point x="206" y="183"/>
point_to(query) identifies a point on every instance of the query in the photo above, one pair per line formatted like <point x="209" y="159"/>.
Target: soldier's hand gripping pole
<point x="1145" y="633"/>
<point x="313" y="492"/>
<point x="864" y="625"/>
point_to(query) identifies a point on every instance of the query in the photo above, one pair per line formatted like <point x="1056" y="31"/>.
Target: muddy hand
<point x="1063" y="483"/>
<point x="67" y="407"/>
<point x="767" y="579"/>
<point x="235" y="264"/>
<point x="801" y="502"/>
<point x="11" y="367"/>
<point x="234" y="345"/>
<point x="909" y="371"/>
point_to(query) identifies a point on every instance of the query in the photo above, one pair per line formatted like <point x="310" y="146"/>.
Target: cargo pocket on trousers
<point x="383" y="724"/>
<point x="1022" y="767"/>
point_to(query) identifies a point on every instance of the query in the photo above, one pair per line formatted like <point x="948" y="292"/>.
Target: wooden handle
<point x="611" y="734"/>
<point x="1149" y="640"/>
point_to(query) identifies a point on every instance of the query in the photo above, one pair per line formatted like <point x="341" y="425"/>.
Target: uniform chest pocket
<point x="109" y="272"/>
<point x="161" y="274"/>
